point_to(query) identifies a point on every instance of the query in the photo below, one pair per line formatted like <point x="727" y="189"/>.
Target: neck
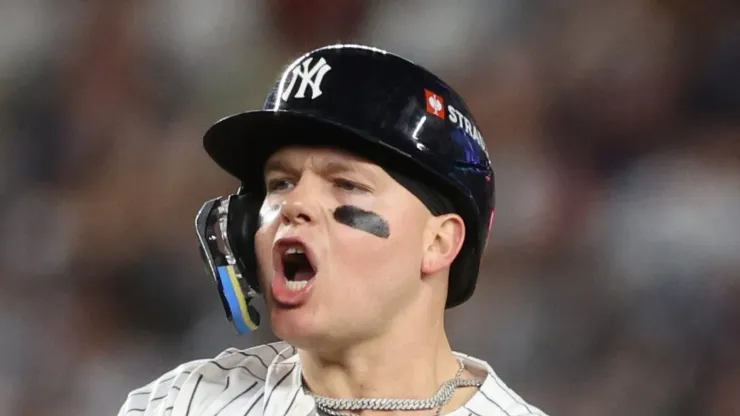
<point x="401" y="363"/>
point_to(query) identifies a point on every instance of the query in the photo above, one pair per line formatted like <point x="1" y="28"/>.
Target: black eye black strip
<point x="362" y="220"/>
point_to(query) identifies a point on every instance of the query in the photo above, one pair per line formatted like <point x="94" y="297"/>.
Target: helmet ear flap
<point x="243" y="222"/>
<point x="225" y="228"/>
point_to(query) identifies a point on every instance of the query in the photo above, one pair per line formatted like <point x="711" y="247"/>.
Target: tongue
<point x="303" y="275"/>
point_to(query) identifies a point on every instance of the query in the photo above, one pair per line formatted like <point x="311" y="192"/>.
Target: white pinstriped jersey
<point x="266" y="381"/>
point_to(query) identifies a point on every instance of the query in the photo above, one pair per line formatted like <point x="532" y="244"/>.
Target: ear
<point x="446" y="236"/>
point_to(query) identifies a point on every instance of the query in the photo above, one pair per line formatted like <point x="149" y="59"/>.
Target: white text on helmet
<point x="466" y="125"/>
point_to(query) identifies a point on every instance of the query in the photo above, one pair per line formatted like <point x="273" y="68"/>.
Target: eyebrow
<point x="331" y="167"/>
<point x="278" y="165"/>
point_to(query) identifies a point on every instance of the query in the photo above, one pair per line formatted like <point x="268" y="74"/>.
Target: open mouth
<point x="297" y="267"/>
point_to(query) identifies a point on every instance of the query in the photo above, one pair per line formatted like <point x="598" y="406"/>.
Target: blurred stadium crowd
<point x="611" y="284"/>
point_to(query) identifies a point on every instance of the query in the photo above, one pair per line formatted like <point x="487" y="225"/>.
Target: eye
<point x="349" y="186"/>
<point x="279" y="184"/>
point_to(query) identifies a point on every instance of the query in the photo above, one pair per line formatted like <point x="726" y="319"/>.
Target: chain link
<point x="344" y="407"/>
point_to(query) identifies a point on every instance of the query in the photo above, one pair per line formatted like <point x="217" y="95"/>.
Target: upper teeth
<point x="295" y="250"/>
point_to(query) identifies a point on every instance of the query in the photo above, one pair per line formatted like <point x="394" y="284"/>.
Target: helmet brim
<point x="242" y="143"/>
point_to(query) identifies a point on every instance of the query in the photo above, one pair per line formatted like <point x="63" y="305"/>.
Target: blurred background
<point x="611" y="283"/>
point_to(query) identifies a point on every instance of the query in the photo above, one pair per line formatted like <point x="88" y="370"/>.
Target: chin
<point x="296" y="327"/>
<point x="303" y="330"/>
<point x="306" y="332"/>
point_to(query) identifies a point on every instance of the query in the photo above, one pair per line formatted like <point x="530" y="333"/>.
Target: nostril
<point x="299" y="207"/>
<point x="295" y="216"/>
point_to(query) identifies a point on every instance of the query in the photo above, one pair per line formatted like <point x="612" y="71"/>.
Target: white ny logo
<point x="309" y="76"/>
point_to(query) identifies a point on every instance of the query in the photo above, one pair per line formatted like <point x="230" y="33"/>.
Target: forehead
<point x="296" y="156"/>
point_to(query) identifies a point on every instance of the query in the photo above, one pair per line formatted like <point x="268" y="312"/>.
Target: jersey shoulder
<point x="495" y="397"/>
<point x="233" y="378"/>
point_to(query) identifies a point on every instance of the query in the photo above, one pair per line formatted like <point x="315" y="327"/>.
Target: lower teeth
<point x="294" y="285"/>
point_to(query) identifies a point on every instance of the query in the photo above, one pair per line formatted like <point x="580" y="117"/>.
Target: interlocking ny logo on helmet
<point x="310" y="76"/>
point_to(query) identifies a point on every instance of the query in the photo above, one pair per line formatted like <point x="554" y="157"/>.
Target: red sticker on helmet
<point x="435" y="104"/>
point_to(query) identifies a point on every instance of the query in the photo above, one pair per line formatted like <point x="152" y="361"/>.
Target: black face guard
<point x="226" y="227"/>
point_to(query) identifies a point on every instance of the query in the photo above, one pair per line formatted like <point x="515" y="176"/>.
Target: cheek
<point x="373" y="275"/>
<point x="367" y="260"/>
<point x="263" y="240"/>
<point x="263" y="250"/>
<point x="268" y="213"/>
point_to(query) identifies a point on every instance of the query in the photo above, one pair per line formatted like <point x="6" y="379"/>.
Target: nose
<point x="300" y="205"/>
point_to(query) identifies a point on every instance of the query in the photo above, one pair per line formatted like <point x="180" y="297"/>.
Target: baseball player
<point x="365" y="203"/>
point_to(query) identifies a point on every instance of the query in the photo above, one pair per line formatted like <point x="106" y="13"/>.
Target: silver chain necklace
<point x="344" y="407"/>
